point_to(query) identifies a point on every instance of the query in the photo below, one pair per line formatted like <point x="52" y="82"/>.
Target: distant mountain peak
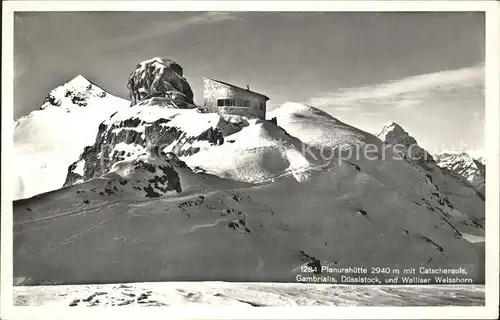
<point x="472" y="153"/>
<point x="392" y="130"/>
<point x="463" y="164"/>
<point x="394" y="134"/>
<point x="73" y="93"/>
<point x="80" y="82"/>
<point x="79" y="79"/>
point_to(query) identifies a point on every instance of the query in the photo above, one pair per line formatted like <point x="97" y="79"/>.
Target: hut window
<point x="225" y="102"/>
<point x="233" y="103"/>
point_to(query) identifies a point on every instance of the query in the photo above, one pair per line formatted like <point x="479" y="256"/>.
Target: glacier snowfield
<point x="247" y="295"/>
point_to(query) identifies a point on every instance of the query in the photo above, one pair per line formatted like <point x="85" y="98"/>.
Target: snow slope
<point x="317" y="128"/>
<point x="259" y="152"/>
<point x="122" y="227"/>
<point x="341" y="143"/>
<point x="47" y="141"/>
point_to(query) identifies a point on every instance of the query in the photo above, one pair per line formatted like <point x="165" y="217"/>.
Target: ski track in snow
<point x="260" y="265"/>
<point x="207" y="225"/>
<point x="66" y="214"/>
<point x="70" y="239"/>
<point x="132" y="203"/>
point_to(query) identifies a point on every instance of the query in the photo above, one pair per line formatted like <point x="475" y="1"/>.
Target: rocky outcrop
<point x="146" y="175"/>
<point x="99" y="158"/>
<point x="160" y="78"/>
<point x="129" y="133"/>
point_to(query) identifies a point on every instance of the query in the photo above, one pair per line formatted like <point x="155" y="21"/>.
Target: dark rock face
<point x="213" y="136"/>
<point x="159" y="77"/>
<point x="101" y="156"/>
<point x="167" y="180"/>
<point x="162" y="179"/>
<point x="146" y="177"/>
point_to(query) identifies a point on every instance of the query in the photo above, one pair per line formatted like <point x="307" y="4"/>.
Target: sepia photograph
<point x="248" y="158"/>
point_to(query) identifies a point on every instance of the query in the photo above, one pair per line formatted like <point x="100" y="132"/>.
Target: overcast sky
<point x="424" y="71"/>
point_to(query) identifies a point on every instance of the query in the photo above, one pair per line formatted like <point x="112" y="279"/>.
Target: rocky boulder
<point x="160" y="78"/>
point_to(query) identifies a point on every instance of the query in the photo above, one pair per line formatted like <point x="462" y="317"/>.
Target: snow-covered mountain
<point x="169" y="192"/>
<point x="75" y="93"/>
<point x="418" y="179"/>
<point x="458" y="193"/>
<point x="393" y="134"/>
<point x="48" y="140"/>
<point x="464" y="166"/>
